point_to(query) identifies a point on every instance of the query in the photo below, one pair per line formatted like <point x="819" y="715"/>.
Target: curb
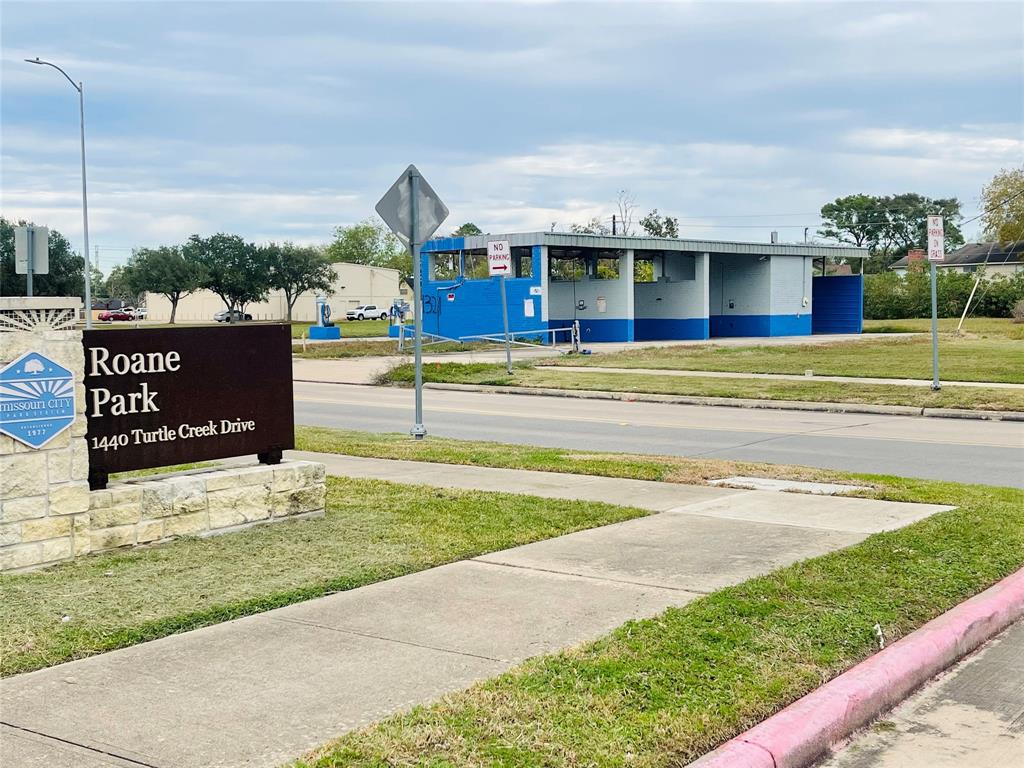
<point x="806" y="730"/>
<point x="736" y="402"/>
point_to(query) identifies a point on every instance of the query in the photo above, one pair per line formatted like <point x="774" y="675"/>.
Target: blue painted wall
<point x="657" y="328"/>
<point x="611" y="329"/>
<point x="476" y="308"/>
<point x="740" y="325"/>
<point x="838" y="304"/>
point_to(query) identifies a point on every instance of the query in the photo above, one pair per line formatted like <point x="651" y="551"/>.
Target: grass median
<point x="661" y="692"/>
<point x="532" y="376"/>
<point x="372" y="531"/>
<point x="350" y="329"/>
<point x="334" y="350"/>
<point x="994" y="357"/>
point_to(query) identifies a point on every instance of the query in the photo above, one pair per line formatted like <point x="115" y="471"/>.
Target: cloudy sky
<point x="283" y="120"/>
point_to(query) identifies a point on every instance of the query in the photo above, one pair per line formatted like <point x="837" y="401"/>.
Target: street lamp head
<point x="34" y="61"/>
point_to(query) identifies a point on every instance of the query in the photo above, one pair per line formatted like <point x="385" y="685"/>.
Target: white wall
<point x="680" y="293"/>
<point x="791" y="284"/>
<point x="618" y="295"/>
<point x="354" y="284"/>
<point x="743" y="280"/>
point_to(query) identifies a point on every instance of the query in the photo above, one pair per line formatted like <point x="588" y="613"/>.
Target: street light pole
<point x="85" y="198"/>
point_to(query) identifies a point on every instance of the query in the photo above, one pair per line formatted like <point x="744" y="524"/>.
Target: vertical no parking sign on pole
<point x="499" y="262"/>
<point x="936" y="253"/>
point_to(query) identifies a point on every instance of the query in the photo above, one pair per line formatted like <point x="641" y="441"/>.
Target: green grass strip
<point x="660" y="692"/>
<point x="372" y="531"/>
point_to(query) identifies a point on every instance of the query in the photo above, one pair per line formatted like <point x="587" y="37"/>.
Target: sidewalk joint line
<point x="587" y="576"/>
<point x="389" y="639"/>
<point x="97" y="750"/>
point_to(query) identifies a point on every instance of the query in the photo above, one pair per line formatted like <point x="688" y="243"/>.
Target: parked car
<point x="367" y="312"/>
<point x="224" y="316"/>
<point x="115" y="314"/>
<point x="140" y="313"/>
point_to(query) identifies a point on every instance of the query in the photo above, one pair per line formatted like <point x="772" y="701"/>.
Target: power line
<point x="1014" y="196"/>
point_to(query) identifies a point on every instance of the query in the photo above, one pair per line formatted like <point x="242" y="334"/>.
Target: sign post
<point x="499" y="262"/>
<point x="31" y="253"/>
<point x="936" y="253"/>
<point x="413" y="211"/>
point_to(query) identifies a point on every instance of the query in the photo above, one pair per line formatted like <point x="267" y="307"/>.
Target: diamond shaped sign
<point x="37" y="399"/>
<point x="396" y="210"/>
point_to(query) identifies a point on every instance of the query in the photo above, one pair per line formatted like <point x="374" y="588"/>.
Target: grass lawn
<point x="968" y="358"/>
<point x="983" y="327"/>
<point x="662" y="691"/>
<point x="333" y="350"/>
<point x="528" y="375"/>
<point x="372" y="531"/>
<point x="350" y="329"/>
<point x="665" y="690"/>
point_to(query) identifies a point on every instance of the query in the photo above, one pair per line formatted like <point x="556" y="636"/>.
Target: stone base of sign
<point x="159" y="508"/>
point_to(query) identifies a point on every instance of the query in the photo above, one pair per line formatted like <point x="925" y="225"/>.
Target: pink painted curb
<point x="806" y="730"/>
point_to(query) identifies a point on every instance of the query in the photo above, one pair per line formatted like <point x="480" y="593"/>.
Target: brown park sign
<point x="164" y="396"/>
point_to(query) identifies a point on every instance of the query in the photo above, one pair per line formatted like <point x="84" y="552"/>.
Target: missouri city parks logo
<point x="37" y="399"/>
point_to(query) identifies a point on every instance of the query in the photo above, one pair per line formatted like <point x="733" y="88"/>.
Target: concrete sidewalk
<point x="261" y="690"/>
<point x="972" y="716"/>
<point x="781" y="377"/>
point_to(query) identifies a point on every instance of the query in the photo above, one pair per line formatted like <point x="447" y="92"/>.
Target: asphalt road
<point x="942" y="449"/>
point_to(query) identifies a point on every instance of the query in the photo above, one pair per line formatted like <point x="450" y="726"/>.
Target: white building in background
<point x="354" y="284"/>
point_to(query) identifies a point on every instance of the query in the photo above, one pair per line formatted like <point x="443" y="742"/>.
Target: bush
<point x="889" y="296"/>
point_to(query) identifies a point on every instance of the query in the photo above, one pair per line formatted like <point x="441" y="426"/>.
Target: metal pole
<point x="504" y="318"/>
<point x="935" y="333"/>
<point x="85" y="213"/>
<point x="418" y="430"/>
<point x="30" y="242"/>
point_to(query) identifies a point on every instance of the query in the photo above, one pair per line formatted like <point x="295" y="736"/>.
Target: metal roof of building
<point x="616" y="242"/>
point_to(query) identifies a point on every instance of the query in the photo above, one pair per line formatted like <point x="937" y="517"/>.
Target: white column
<point x="626" y="276"/>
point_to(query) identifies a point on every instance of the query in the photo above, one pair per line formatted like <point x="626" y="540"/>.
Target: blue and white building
<point x="638" y="288"/>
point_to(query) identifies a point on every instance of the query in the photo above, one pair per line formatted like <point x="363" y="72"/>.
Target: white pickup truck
<point x="367" y="312"/>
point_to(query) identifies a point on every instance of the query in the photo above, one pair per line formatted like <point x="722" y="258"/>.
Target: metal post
<point x="30" y="242"/>
<point x="935" y="332"/>
<point x="504" y="318"/>
<point x="418" y="431"/>
<point x="85" y="212"/>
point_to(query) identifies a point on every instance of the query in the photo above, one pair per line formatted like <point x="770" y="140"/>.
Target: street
<point x="961" y="450"/>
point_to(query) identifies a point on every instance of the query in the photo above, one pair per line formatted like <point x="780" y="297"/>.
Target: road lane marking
<point x="599" y="420"/>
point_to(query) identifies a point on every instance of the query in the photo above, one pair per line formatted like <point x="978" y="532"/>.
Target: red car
<point x="115" y="314"/>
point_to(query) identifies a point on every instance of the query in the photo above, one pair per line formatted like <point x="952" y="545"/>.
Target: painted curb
<point x="806" y="730"/>
<point x="736" y="402"/>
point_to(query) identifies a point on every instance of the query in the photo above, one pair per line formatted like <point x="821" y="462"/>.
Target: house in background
<point x="996" y="259"/>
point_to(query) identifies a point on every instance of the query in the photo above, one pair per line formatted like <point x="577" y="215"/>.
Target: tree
<point x="1002" y="200"/>
<point x="233" y="269"/>
<point x="370" y="242"/>
<point x="889" y="226"/>
<point x="166" y="270"/>
<point x="296" y="269"/>
<point x="593" y="227"/>
<point x="121" y="286"/>
<point x="67" y="268"/>
<point x="854" y="219"/>
<point x="627" y="208"/>
<point x="468" y="229"/>
<point x="660" y="226"/>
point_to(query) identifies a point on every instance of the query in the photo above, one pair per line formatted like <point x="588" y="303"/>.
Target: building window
<point x="565" y="265"/>
<point x="606" y="265"/>
<point x="474" y="264"/>
<point x="522" y="260"/>
<point x="643" y="270"/>
<point x="971" y="268"/>
<point x="445" y="266"/>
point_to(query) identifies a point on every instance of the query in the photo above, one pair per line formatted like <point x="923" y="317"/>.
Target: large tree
<point x="166" y="270"/>
<point x="1002" y="201"/>
<point x="295" y="269"/>
<point x="657" y="225"/>
<point x="370" y="242"/>
<point x="467" y="229"/>
<point x="234" y="269"/>
<point x="889" y="226"/>
<point x="593" y="227"/>
<point x="67" y="268"/>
